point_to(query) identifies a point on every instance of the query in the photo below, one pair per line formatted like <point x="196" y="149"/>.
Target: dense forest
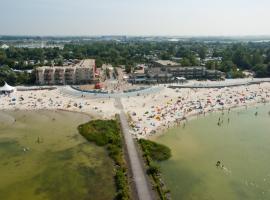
<point x="233" y="57"/>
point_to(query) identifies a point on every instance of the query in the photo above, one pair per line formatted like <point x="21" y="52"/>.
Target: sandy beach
<point x="149" y="114"/>
<point x="152" y="114"/>
<point x="55" y="100"/>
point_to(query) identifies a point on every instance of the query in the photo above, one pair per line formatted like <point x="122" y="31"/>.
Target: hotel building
<point x="81" y="73"/>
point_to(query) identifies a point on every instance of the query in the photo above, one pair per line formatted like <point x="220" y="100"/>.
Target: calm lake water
<point x="241" y="144"/>
<point x="43" y="157"/>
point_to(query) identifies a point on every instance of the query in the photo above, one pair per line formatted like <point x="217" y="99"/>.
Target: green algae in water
<point x="240" y="143"/>
<point x="42" y="157"/>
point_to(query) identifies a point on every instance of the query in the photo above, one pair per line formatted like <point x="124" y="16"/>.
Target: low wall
<point x="36" y="88"/>
<point x="89" y="91"/>
<point x="220" y="85"/>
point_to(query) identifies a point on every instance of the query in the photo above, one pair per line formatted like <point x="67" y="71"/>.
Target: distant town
<point x="142" y="60"/>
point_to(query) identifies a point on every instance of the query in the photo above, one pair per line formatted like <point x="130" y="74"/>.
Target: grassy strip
<point x="153" y="152"/>
<point x="107" y="133"/>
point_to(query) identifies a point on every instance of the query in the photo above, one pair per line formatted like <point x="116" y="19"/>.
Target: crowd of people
<point x="149" y="113"/>
<point x="56" y="100"/>
<point x="153" y="113"/>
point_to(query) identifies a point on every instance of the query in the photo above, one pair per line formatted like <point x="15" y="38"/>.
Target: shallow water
<point x="242" y="144"/>
<point x="42" y="157"/>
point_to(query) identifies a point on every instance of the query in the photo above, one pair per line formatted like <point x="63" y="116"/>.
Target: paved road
<point x="144" y="191"/>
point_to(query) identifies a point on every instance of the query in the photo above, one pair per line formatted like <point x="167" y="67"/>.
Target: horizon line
<point x="130" y="35"/>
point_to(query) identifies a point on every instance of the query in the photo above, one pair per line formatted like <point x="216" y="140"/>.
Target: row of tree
<point x="15" y="78"/>
<point x="236" y="57"/>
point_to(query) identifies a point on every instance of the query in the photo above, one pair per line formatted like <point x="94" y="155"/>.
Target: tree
<point x="216" y="53"/>
<point x="153" y="169"/>
<point x="256" y="59"/>
<point x="59" y="62"/>
<point x="261" y="70"/>
<point x="185" y="62"/>
<point x="128" y="69"/>
<point x="211" y="65"/>
<point x="241" y="59"/>
<point x="3" y="57"/>
<point x="165" y="56"/>
<point x="268" y="69"/>
<point x="7" y="75"/>
<point x="202" y="52"/>
<point x="193" y="60"/>
<point x="226" y="65"/>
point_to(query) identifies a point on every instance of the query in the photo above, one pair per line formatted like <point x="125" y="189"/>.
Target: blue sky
<point x="135" y="17"/>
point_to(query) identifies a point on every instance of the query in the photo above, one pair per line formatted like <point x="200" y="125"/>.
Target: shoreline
<point x="46" y="109"/>
<point x="53" y="100"/>
<point x="153" y="114"/>
<point x="163" y="130"/>
<point x="149" y="114"/>
<point x="43" y="140"/>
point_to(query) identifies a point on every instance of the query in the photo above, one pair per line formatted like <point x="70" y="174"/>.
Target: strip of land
<point x="142" y="185"/>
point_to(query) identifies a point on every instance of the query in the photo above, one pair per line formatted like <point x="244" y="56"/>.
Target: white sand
<point x="53" y="100"/>
<point x="153" y="113"/>
<point x="149" y="114"/>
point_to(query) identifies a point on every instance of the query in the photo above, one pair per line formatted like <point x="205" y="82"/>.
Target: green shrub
<point x="120" y="179"/>
<point x="153" y="169"/>
<point x="157" y="152"/>
<point x="102" y="132"/>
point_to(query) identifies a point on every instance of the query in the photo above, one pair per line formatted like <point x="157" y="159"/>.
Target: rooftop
<point x="167" y="62"/>
<point x="87" y="63"/>
<point x="83" y="64"/>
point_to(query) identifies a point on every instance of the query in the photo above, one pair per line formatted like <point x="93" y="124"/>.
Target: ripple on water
<point x="242" y="146"/>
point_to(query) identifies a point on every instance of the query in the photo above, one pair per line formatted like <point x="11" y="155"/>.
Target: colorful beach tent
<point x="7" y="88"/>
